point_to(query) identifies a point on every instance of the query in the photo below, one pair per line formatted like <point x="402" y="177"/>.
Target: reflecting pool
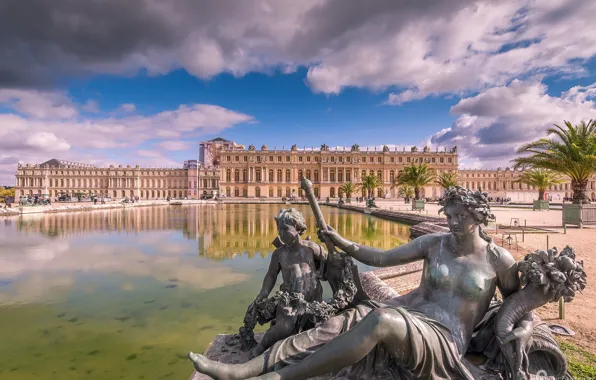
<point x="125" y="294"/>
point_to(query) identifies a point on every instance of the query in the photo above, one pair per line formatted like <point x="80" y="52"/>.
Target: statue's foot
<point x="267" y="376"/>
<point x="216" y="370"/>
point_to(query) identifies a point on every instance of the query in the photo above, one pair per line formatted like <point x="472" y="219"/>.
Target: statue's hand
<point x="332" y="234"/>
<point x="520" y="338"/>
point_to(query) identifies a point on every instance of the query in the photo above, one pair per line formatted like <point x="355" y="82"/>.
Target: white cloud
<point x="174" y="145"/>
<point x="148" y="153"/>
<point x="91" y="106"/>
<point x="128" y="107"/>
<point x="37" y="104"/>
<point x="495" y="122"/>
<point x="414" y="48"/>
<point x="38" y="134"/>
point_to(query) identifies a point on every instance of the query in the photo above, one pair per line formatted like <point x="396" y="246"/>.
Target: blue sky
<point x="139" y="85"/>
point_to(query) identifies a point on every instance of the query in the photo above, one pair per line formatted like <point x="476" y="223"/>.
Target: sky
<point x="144" y="81"/>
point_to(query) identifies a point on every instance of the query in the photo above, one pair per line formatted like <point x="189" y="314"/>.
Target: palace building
<point x="227" y="168"/>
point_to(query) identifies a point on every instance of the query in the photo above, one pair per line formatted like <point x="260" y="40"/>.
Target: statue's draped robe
<point x="434" y="350"/>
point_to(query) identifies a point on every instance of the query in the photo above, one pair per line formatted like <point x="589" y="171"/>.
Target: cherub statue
<point x="301" y="263"/>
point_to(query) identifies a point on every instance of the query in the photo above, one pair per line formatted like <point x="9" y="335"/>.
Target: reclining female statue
<point x="421" y="335"/>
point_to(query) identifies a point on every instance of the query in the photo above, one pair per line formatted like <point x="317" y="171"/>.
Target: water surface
<point x="125" y="294"/>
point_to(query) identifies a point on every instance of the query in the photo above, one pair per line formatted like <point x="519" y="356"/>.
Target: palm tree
<point x="417" y="176"/>
<point x="349" y="188"/>
<point x="446" y="180"/>
<point x="406" y="191"/>
<point x="573" y="154"/>
<point x="542" y="179"/>
<point x="370" y="183"/>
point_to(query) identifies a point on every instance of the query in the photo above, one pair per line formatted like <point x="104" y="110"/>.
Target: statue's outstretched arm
<point x="413" y="251"/>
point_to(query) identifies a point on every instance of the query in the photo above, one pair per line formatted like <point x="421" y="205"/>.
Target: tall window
<point x="316" y="176"/>
<point x="288" y="176"/>
<point x="228" y="175"/>
<point x="237" y="175"/>
<point x="348" y="175"/>
<point x="279" y="174"/>
<point x="271" y="175"/>
<point x="332" y="175"/>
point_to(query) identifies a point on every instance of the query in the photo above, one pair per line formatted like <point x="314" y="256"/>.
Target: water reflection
<point x="125" y="293"/>
<point x="221" y="231"/>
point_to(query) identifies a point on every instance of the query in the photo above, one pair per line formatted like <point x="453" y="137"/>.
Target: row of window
<point x="340" y="159"/>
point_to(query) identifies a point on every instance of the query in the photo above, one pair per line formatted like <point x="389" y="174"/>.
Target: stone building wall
<point x="277" y="173"/>
<point x="501" y="183"/>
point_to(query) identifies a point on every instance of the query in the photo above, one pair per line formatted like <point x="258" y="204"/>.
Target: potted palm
<point x="348" y="189"/>
<point x="542" y="179"/>
<point x="370" y="183"/>
<point x="406" y="191"/>
<point x="571" y="153"/>
<point x="417" y="176"/>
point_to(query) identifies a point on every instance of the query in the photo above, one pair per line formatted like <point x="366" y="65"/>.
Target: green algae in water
<point x="95" y="300"/>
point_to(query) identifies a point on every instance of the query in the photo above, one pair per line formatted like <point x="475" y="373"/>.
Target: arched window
<point x="288" y="192"/>
<point x="270" y="192"/>
<point x="340" y="175"/>
<point x="288" y="177"/>
<point x="380" y="174"/>
<point x="271" y="177"/>
<point x="279" y="192"/>
<point x="392" y="176"/>
<point x="348" y="175"/>
<point x="228" y="192"/>
<point x="371" y="172"/>
<point x="316" y="191"/>
<point x="316" y="176"/>
<point x="245" y="175"/>
<point x="237" y="175"/>
<point x="380" y="193"/>
<point x="236" y="192"/>
<point x="279" y="175"/>
<point x="332" y="192"/>
<point x="257" y="192"/>
<point x="228" y="175"/>
<point x="300" y="175"/>
<point x="245" y="192"/>
<point x="258" y="175"/>
<point x="363" y="174"/>
<point x="332" y="175"/>
<point x="308" y="174"/>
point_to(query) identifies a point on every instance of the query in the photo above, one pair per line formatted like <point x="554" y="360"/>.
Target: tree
<point x="370" y="183"/>
<point x="406" y="191"/>
<point x="572" y="153"/>
<point x="417" y="176"/>
<point x="542" y="179"/>
<point x="7" y="192"/>
<point x="446" y="180"/>
<point x="349" y="188"/>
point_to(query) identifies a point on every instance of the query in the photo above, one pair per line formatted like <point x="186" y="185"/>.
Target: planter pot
<point x="418" y="204"/>
<point x="349" y="200"/>
<point x="579" y="214"/>
<point x="541" y="205"/>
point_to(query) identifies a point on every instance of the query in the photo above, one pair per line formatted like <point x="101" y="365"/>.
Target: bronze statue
<point x="426" y="333"/>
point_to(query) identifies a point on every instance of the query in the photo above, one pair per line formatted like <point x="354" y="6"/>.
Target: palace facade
<point x="227" y="168"/>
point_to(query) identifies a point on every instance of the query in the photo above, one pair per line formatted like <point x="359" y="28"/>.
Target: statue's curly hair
<point x="475" y="201"/>
<point x="292" y="217"/>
